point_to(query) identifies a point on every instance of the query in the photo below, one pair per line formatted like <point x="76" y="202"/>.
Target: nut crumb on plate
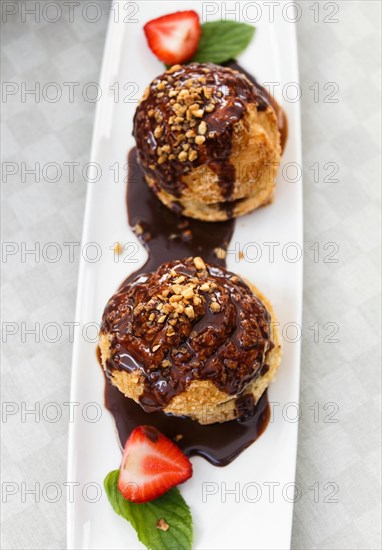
<point x="118" y="248"/>
<point x="162" y="525"/>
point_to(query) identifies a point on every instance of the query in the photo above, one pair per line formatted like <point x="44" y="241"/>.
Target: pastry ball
<point x="208" y="141"/>
<point x="190" y="339"/>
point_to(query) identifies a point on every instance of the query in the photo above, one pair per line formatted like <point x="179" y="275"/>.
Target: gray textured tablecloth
<point x="339" y="452"/>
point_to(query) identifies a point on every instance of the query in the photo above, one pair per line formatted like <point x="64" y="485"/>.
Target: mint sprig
<point x="171" y="507"/>
<point x="223" y="40"/>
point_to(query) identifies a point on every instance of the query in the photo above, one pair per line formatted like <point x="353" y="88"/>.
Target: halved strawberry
<point x="174" y="38"/>
<point x="151" y="465"/>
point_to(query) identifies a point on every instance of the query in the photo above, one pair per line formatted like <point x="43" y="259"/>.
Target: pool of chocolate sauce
<point x="166" y="236"/>
<point x="217" y="443"/>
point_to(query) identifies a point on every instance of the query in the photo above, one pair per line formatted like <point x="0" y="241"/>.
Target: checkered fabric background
<point x="347" y="293"/>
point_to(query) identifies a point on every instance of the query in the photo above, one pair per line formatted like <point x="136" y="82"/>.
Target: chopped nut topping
<point x="207" y="92"/>
<point x="179" y="308"/>
<point x="188" y="293"/>
<point x="166" y="363"/>
<point x="174" y="68"/>
<point x="155" y="348"/>
<point x="199" y="140"/>
<point x="158" y="131"/>
<point x="175" y="299"/>
<point x="138" y="229"/>
<point x="199" y="263"/>
<point x="193" y="155"/>
<point x="182" y="156"/>
<point x="189" y="311"/>
<point x="178" y="437"/>
<point x="215" y="307"/>
<point x="162" y="319"/>
<point x="220" y="253"/>
<point x="205" y="287"/>
<point x="167" y="308"/>
<point x="138" y="309"/>
<point x="202" y="128"/>
<point x="177" y="289"/>
<point x="183" y="94"/>
<point x="151" y="316"/>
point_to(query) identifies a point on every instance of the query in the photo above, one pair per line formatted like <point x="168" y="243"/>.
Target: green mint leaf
<point x="223" y="40"/>
<point x="144" y="517"/>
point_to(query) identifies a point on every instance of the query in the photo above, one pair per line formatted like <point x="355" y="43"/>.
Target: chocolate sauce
<point x="268" y="99"/>
<point x="168" y="236"/>
<point x="219" y="334"/>
<point x="167" y="123"/>
<point x="176" y="104"/>
<point x="217" y="443"/>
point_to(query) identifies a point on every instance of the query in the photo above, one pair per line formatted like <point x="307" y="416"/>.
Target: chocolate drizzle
<point x="167" y="148"/>
<point x="168" y="236"/>
<point x="209" y="326"/>
<point x="165" y="234"/>
<point x="267" y="99"/>
<point x="217" y="443"/>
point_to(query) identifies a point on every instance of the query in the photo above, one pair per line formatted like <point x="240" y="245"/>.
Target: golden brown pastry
<point x="208" y="141"/>
<point x="190" y="339"/>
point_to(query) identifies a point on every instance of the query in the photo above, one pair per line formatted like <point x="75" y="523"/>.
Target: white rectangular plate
<point x="244" y="511"/>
